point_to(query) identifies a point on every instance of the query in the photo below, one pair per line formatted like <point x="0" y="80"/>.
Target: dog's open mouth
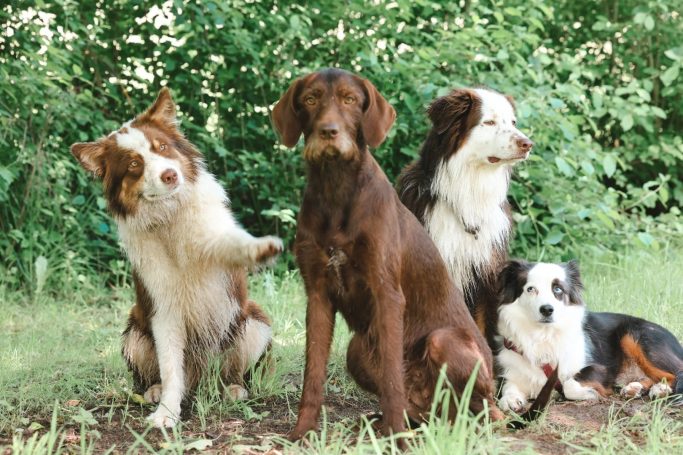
<point x="495" y="159"/>
<point x="159" y="197"/>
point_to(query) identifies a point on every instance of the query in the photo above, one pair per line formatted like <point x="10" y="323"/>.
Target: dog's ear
<point x="574" y="283"/>
<point x="163" y="110"/>
<point x="90" y="155"/>
<point x="451" y="109"/>
<point x="285" y="116"/>
<point x="511" y="281"/>
<point x="378" y="116"/>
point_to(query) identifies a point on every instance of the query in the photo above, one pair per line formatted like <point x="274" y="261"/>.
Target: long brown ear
<point x="285" y="118"/>
<point x="378" y="117"/>
<point x="163" y="110"/>
<point x="452" y="108"/>
<point x="90" y="155"/>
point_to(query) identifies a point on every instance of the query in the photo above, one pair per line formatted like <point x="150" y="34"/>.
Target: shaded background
<point x="596" y="83"/>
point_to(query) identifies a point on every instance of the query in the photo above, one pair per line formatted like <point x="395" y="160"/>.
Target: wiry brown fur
<point x="363" y="254"/>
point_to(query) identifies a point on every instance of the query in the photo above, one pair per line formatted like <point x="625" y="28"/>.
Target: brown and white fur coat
<point x="189" y="258"/>
<point x="458" y="188"/>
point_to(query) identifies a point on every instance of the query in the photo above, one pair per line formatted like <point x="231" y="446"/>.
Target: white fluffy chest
<point x="172" y="263"/>
<point x="466" y="244"/>
<point x="467" y="222"/>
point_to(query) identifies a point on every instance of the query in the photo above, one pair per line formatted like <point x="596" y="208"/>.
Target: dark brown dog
<point x="362" y="253"/>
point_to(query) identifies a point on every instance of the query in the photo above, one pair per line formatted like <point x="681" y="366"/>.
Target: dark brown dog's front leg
<point x="389" y="327"/>
<point x="319" y="330"/>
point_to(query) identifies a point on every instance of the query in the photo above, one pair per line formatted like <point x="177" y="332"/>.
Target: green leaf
<point x="609" y="164"/>
<point x="670" y="75"/>
<point x="40" y="272"/>
<point x="78" y="200"/>
<point x="649" y="23"/>
<point x="84" y="417"/>
<point x="564" y="167"/>
<point x="554" y="237"/>
<point x="627" y="122"/>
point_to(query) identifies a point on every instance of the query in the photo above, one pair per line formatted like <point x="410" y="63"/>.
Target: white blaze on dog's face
<point x="147" y="161"/>
<point x="162" y="176"/>
<point x="546" y="293"/>
<point x="495" y="139"/>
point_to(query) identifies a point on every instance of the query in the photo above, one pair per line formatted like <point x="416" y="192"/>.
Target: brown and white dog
<point x="458" y="189"/>
<point x="189" y="259"/>
<point x="363" y="254"/>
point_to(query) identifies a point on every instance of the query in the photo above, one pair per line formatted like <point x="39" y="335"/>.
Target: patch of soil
<point x="565" y="423"/>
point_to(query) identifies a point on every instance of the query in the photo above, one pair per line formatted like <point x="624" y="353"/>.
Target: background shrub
<point x="597" y="87"/>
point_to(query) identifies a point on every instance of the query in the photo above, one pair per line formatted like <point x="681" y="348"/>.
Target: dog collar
<point x="546" y="367"/>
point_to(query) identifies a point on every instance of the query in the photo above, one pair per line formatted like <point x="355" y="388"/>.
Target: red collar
<point x="546" y="367"/>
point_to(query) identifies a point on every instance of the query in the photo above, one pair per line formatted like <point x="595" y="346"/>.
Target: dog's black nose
<point x="328" y="130"/>
<point x="547" y="310"/>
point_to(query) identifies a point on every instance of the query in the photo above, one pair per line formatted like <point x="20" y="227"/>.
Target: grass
<point x="65" y="388"/>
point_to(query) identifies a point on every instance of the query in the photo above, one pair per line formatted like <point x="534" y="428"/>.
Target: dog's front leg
<point x="388" y="324"/>
<point x="319" y="330"/>
<point x="169" y="339"/>
<point x="233" y="246"/>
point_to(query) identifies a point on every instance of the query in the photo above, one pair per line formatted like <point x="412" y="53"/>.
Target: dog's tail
<point x="540" y="403"/>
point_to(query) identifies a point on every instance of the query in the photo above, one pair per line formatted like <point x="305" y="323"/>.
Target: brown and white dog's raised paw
<point x="264" y="250"/>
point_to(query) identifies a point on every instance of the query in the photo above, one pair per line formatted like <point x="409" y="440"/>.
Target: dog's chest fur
<point x="469" y="222"/>
<point x="175" y="273"/>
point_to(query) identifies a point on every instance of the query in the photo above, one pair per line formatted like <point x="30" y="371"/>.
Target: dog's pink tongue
<point x="493" y="159"/>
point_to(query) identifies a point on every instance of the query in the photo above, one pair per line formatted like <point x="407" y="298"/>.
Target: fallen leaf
<point x="199" y="444"/>
<point x="72" y="402"/>
<point x="71" y="437"/>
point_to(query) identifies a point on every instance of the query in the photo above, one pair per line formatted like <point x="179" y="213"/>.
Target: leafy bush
<point x="598" y="91"/>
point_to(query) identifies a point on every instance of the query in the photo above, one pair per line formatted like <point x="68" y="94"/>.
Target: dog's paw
<point x="659" y="390"/>
<point x="163" y="418"/>
<point x="153" y="394"/>
<point x="512" y="402"/>
<point x="236" y="392"/>
<point x="266" y="249"/>
<point x="632" y="390"/>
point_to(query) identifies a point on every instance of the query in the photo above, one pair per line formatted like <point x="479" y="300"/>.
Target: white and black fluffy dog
<point x="458" y="186"/>
<point x="543" y="322"/>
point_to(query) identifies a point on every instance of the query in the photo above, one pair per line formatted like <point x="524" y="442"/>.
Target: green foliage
<point x="597" y="87"/>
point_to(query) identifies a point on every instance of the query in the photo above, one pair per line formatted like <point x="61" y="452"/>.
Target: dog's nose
<point x="169" y="177"/>
<point x="328" y="130"/>
<point x="547" y="310"/>
<point x="524" y="144"/>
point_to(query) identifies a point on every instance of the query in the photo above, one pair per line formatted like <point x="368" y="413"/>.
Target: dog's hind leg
<point x="138" y="352"/>
<point x="360" y="364"/>
<point x="659" y="355"/>
<point x="461" y="354"/>
<point x="251" y="347"/>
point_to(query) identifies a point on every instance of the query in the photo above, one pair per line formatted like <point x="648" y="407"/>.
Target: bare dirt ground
<point x="567" y="427"/>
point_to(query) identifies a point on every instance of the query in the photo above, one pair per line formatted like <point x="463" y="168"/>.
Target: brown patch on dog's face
<point x="146" y="160"/>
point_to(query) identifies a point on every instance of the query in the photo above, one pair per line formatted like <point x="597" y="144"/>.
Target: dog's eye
<point x="557" y="291"/>
<point x="133" y="164"/>
<point x="514" y="123"/>
<point x="162" y="147"/>
<point x="310" y="100"/>
<point x="349" y="99"/>
<point x="530" y="289"/>
<point x="490" y="122"/>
